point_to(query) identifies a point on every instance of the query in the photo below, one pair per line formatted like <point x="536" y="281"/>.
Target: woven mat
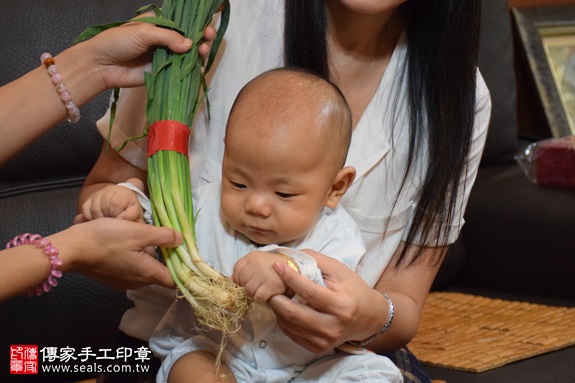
<point x="472" y="333"/>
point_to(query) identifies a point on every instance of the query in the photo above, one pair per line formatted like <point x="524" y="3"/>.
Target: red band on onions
<point x="168" y="135"/>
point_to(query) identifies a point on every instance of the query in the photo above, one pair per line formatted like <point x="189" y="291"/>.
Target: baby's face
<point x="273" y="191"/>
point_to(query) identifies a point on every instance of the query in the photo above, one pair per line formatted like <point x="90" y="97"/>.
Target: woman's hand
<point x="112" y="251"/>
<point x="334" y="314"/>
<point x="349" y="309"/>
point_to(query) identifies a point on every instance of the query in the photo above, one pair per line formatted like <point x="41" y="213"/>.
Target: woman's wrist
<point x="375" y="316"/>
<point x="71" y="244"/>
<point x="381" y="330"/>
<point x="81" y="73"/>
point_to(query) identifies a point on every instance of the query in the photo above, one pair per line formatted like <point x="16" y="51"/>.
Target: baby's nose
<point x="258" y="204"/>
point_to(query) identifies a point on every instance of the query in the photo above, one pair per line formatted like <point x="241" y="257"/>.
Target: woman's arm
<point x="30" y="105"/>
<point x="109" y="250"/>
<point x="407" y="286"/>
<point x="348" y="309"/>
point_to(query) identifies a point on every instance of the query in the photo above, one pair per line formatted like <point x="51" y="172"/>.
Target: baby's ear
<point x="341" y="183"/>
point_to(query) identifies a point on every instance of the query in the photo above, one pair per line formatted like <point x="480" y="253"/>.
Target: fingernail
<point x="187" y="42"/>
<point x="278" y="267"/>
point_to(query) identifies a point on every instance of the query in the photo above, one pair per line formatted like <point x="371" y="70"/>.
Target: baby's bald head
<point x="284" y="104"/>
<point x="285" y="149"/>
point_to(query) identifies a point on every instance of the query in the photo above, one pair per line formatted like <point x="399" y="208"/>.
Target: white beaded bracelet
<point x="380" y="332"/>
<point x="50" y="64"/>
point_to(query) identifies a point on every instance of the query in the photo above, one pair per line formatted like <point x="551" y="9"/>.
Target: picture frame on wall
<point x="547" y="35"/>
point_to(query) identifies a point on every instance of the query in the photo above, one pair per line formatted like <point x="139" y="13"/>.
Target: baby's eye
<point x="285" y="195"/>
<point x="238" y="185"/>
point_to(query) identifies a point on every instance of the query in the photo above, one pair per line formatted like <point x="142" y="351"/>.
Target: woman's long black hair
<point x="443" y="40"/>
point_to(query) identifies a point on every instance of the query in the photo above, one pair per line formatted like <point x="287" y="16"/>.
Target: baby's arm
<point x="115" y="201"/>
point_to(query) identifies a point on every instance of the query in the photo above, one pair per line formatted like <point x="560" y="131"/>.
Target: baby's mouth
<point x="258" y="229"/>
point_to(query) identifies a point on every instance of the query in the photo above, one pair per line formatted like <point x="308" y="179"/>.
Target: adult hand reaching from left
<point x="122" y="63"/>
<point x="112" y="251"/>
<point x="109" y="250"/>
<point x="115" y="58"/>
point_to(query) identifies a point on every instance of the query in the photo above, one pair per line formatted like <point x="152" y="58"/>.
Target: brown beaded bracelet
<point x="50" y="64"/>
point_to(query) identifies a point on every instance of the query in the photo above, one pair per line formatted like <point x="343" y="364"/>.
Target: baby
<point x="283" y="176"/>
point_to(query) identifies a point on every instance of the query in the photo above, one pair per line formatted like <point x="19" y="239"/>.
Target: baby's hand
<point x="113" y="201"/>
<point x="256" y="274"/>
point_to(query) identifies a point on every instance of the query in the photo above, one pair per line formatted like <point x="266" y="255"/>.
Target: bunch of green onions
<point x="174" y="94"/>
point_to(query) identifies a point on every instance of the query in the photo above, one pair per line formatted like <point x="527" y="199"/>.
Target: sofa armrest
<point x="518" y="235"/>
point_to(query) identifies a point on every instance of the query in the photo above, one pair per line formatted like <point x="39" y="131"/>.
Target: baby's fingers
<point x="132" y="212"/>
<point x="88" y="210"/>
<point x="241" y="274"/>
<point x="79" y="219"/>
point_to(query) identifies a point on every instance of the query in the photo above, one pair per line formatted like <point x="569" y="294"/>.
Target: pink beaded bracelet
<point x="52" y="252"/>
<point x="65" y="95"/>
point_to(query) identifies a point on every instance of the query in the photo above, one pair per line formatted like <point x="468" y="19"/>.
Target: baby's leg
<point x="199" y="366"/>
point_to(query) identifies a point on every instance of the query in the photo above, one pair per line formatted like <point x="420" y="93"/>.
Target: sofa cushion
<point x="496" y="66"/>
<point x="518" y="235"/>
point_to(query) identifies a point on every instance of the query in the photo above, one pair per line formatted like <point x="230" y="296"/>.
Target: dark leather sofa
<point x="516" y="242"/>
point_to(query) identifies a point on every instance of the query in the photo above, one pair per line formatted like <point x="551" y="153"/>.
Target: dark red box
<point x="555" y="162"/>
